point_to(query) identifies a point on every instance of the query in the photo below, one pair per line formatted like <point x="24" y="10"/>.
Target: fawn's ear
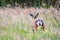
<point x="31" y="15"/>
<point x="36" y="15"/>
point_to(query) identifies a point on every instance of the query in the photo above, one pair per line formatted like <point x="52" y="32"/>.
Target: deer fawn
<point x="36" y="22"/>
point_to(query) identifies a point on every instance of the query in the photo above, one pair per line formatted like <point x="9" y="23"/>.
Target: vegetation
<point x="30" y="3"/>
<point x="16" y="26"/>
<point x="15" y="23"/>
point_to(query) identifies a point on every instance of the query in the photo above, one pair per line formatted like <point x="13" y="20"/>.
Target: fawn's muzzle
<point x="39" y="22"/>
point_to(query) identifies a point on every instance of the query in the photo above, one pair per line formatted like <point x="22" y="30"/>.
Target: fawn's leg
<point x="34" y="28"/>
<point x="43" y="27"/>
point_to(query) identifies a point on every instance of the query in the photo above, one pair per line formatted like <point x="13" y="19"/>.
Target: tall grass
<point x="20" y="29"/>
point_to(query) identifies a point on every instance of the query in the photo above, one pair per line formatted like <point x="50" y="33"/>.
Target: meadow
<point x="15" y="24"/>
